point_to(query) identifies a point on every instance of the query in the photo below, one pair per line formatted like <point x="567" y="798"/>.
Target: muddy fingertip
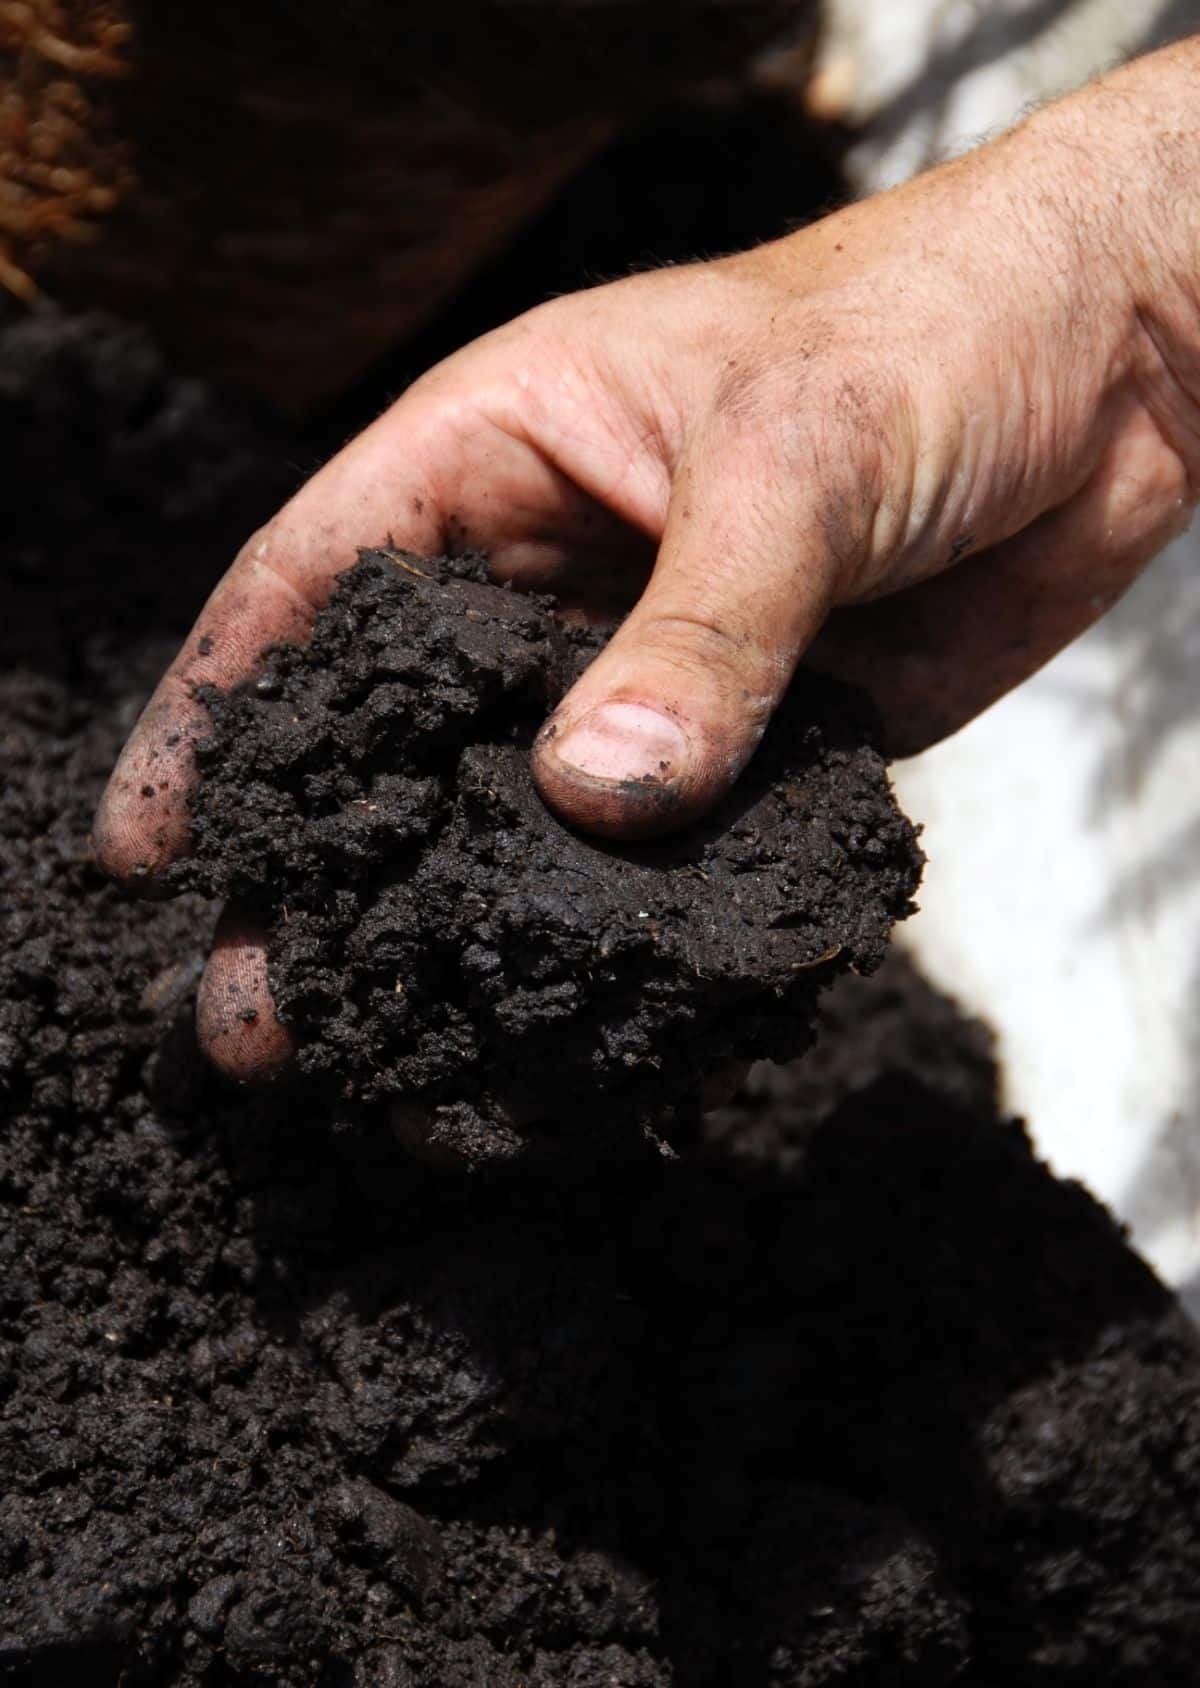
<point x="236" y="1023"/>
<point x="142" y="821"/>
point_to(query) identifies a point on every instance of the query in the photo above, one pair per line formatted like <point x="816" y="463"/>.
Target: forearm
<point x="1129" y="151"/>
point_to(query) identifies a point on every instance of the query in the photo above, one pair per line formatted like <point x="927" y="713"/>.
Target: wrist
<point x="1129" y="164"/>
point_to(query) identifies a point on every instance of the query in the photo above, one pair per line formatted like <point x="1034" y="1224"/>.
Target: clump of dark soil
<point x="854" y="1392"/>
<point x="438" y="936"/>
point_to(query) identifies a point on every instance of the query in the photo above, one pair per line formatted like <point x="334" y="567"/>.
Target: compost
<point x="437" y="936"/>
<point x="852" y="1391"/>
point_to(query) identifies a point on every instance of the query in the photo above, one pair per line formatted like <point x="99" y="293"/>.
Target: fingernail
<point x="625" y="742"/>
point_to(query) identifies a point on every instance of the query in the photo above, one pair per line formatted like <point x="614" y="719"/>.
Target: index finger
<point x="270" y="596"/>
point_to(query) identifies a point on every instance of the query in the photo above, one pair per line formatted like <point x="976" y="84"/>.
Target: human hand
<point x="926" y="441"/>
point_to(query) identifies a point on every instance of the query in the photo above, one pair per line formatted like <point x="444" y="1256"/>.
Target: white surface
<point x="927" y="79"/>
<point x="1062" y="901"/>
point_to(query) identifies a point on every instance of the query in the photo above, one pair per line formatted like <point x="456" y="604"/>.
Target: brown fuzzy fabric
<point x="63" y="163"/>
<point x="314" y="179"/>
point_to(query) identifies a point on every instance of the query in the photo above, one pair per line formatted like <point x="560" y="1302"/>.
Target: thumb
<point x="666" y="718"/>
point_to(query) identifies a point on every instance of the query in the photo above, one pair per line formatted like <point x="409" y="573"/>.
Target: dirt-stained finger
<point x="142" y="820"/>
<point x="235" y="1014"/>
<point x="280" y="579"/>
<point x="663" y="722"/>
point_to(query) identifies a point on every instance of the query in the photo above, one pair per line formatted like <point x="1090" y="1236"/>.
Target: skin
<point x="925" y="443"/>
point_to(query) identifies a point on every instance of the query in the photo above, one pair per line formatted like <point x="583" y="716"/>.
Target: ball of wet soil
<point x="440" y="942"/>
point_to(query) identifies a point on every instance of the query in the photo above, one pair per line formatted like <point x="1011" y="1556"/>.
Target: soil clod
<point x="448" y="943"/>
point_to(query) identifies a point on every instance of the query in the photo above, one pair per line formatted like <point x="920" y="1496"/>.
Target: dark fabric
<point x="313" y="181"/>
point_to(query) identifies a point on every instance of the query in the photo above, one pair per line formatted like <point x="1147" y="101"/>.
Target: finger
<point x="235" y="1015"/>
<point x="433" y="473"/>
<point x="142" y="820"/>
<point x="940" y="653"/>
<point x="667" y="716"/>
<point x="270" y="596"/>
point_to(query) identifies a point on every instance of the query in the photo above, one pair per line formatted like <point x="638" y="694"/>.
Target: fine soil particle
<point x="437" y="935"/>
<point x="853" y="1393"/>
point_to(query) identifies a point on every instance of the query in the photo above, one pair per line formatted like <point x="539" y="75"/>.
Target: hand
<point x="926" y="441"/>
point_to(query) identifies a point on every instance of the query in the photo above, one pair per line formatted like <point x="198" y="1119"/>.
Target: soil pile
<point x="437" y="936"/>
<point x="126" y="488"/>
<point x="853" y="1392"/>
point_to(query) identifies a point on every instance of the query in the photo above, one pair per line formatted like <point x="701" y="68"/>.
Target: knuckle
<point x="824" y="409"/>
<point x="727" y="656"/>
<point x="826" y="429"/>
<point x="696" y="637"/>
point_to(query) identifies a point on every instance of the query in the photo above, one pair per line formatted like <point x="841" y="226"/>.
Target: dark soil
<point x="437" y="936"/>
<point x="852" y="1393"/>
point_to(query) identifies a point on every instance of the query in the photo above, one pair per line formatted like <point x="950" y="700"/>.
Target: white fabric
<point x="1062" y="901"/>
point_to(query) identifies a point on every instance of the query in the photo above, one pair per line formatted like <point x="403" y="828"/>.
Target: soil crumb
<point x="437" y="936"/>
